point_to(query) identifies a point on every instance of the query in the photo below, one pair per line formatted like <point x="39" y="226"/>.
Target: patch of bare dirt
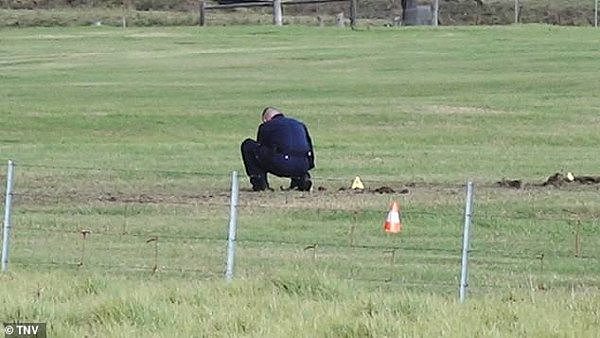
<point x="48" y="194"/>
<point x="45" y="198"/>
<point x="559" y="179"/>
<point x="555" y="180"/>
<point x="384" y="190"/>
<point x="381" y="190"/>
<point x="516" y="184"/>
<point x="587" y="179"/>
<point x="145" y="198"/>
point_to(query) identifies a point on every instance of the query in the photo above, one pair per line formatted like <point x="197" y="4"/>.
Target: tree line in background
<point x="142" y="5"/>
<point x="452" y="12"/>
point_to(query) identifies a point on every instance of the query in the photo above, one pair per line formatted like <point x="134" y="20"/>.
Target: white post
<point x="516" y="11"/>
<point x="466" y="245"/>
<point x="232" y="226"/>
<point x="277" y="13"/>
<point x="436" y="9"/>
<point x="125" y="4"/>
<point x="7" y="207"/>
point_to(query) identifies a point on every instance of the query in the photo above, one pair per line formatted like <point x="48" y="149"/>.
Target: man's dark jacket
<point x="287" y="143"/>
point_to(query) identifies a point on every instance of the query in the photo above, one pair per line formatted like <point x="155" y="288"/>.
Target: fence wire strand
<point x="125" y="170"/>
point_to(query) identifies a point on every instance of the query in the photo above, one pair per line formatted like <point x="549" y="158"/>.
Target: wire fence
<point x="89" y="219"/>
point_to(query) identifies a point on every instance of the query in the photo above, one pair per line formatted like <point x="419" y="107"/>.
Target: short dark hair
<point x="266" y="110"/>
<point x="270" y="112"/>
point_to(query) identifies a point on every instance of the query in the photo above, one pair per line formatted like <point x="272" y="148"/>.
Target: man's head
<point x="269" y="113"/>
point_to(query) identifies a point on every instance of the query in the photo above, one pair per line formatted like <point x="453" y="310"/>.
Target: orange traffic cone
<point x="393" y="222"/>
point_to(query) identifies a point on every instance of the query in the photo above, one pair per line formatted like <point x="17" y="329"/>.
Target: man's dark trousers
<point x="260" y="160"/>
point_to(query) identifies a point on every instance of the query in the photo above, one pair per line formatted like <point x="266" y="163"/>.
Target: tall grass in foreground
<point x="308" y="305"/>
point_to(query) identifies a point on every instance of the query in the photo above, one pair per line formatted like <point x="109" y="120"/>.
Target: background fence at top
<point x="461" y="12"/>
<point x="167" y="223"/>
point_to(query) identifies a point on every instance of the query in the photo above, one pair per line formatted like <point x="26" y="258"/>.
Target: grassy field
<point x="132" y="135"/>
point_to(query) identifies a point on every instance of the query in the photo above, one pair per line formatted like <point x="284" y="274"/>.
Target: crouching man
<point x="283" y="148"/>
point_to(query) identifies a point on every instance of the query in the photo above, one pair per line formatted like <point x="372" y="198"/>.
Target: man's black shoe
<point x="305" y="183"/>
<point x="302" y="183"/>
<point x="294" y="183"/>
<point x="258" y="183"/>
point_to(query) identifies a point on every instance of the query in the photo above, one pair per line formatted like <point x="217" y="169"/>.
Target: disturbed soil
<point x="40" y="196"/>
<point x="555" y="180"/>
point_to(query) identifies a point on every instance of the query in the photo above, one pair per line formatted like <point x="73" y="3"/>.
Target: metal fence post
<point x="232" y="226"/>
<point x="7" y="211"/>
<point x="124" y="16"/>
<point x="516" y="11"/>
<point x="466" y="245"/>
<point x="436" y="9"/>
<point x="277" y="13"/>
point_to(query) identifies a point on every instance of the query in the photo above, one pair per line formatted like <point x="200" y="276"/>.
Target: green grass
<point x="132" y="134"/>
<point x="283" y="306"/>
<point x="456" y="94"/>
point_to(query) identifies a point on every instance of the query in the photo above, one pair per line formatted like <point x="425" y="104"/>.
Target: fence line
<point x="440" y="284"/>
<point x="402" y="282"/>
<point x="142" y="200"/>
<point x="123" y="267"/>
<point x="300" y="244"/>
<point x="207" y="275"/>
<point x="277" y="6"/>
<point x="196" y="173"/>
<point x="123" y="234"/>
<point x="524" y="255"/>
<point x="431" y="260"/>
<point x="533" y="254"/>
